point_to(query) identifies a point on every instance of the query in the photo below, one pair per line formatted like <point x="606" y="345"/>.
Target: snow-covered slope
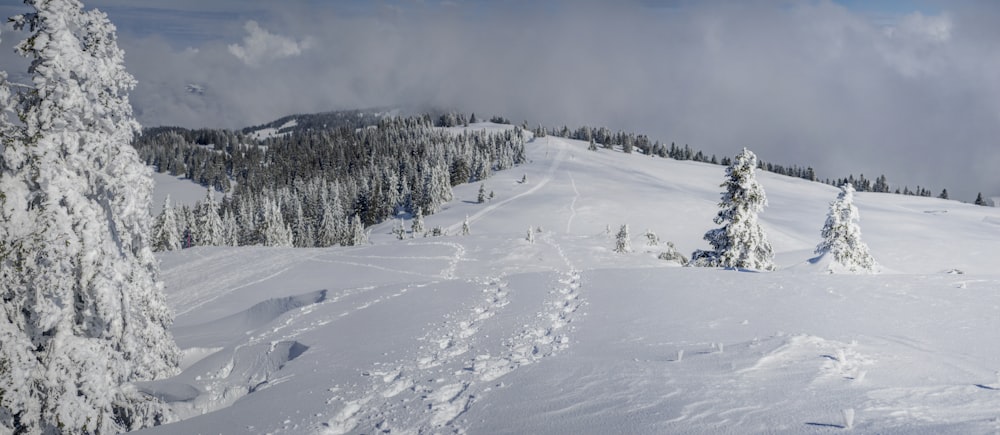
<point x="488" y="333"/>
<point x="181" y="191"/>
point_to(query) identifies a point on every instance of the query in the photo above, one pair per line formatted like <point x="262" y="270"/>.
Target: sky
<point x="908" y="89"/>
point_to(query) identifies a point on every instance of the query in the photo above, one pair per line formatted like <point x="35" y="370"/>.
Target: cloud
<point x="914" y="97"/>
<point x="261" y="46"/>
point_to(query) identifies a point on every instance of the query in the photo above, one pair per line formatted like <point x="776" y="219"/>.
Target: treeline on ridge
<point x="317" y="186"/>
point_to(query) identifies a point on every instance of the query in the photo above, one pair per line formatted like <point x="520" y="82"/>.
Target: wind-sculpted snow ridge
<point x="239" y="360"/>
<point x="431" y="392"/>
<point x="220" y="331"/>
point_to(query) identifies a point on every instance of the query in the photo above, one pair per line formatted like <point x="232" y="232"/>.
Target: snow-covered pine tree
<point x="481" y="198"/>
<point x="741" y="242"/>
<point x="358" y="235"/>
<point x="186" y="224"/>
<point x="531" y="235"/>
<point x="842" y="236"/>
<point x="672" y="254"/>
<point x="208" y="226"/>
<point x="623" y="242"/>
<point x="418" y="223"/>
<point x="979" y="199"/>
<point x="273" y="230"/>
<point x="165" y="236"/>
<point x="399" y="230"/>
<point x="230" y="229"/>
<point x="83" y="315"/>
<point x="465" y="227"/>
<point x="651" y="238"/>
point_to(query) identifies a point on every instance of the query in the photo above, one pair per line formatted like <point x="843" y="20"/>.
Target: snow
<point x="488" y="127"/>
<point x="182" y="191"/>
<point x="488" y="333"/>
<point x="267" y="133"/>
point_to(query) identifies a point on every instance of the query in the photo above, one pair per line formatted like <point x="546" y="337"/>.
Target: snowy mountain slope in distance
<point x="489" y="333"/>
<point x="181" y="191"/>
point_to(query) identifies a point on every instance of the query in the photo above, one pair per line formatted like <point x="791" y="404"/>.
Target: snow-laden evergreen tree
<point x="301" y="233"/>
<point x="165" y="236"/>
<point x="82" y="314"/>
<point x="741" y="242"/>
<point x="465" y="226"/>
<point x="842" y="236"/>
<point x="979" y="199"/>
<point x="357" y="232"/>
<point x="672" y="254"/>
<point x="273" y="231"/>
<point x="230" y="229"/>
<point x="651" y="238"/>
<point x="208" y="224"/>
<point x="417" y="224"/>
<point x="399" y="229"/>
<point x="481" y="198"/>
<point x="623" y="242"/>
<point x="186" y="224"/>
<point x="531" y="235"/>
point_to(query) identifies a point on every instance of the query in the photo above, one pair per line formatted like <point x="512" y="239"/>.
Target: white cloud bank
<point x="260" y="46"/>
<point x="808" y="83"/>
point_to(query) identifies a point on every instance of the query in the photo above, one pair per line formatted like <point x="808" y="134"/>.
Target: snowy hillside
<point x="488" y="333"/>
<point x="181" y="191"/>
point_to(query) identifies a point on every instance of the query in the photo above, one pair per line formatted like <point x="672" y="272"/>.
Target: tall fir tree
<point x="741" y="242"/>
<point x="208" y="226"/>
<point x="357" y="232"/>
<point x="83" y="314"/>
<point x="842" y="236"/>
<point x="165" y="236"/>
<point x="230" y="229"/>
<point x="329" y="231"/>
<point x="274" y="231"/>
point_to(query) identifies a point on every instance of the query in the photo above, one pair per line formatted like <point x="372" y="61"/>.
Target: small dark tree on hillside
<point x="979" y="199"/>
<point x="623" y="242"/>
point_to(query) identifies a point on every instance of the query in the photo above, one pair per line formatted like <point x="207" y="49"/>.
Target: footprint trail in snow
<point x="430" y="392"/>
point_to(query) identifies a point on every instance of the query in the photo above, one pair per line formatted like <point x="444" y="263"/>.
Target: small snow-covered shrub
<point x="672" y="254"/>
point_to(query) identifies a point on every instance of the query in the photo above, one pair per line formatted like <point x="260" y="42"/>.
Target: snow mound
<point x="222" y="331"/>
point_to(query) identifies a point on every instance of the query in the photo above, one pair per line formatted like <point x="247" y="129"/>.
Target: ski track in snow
<point x="443" y="382"/>
<point x="572" y="205"/>
<point x="560" y="156"/>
